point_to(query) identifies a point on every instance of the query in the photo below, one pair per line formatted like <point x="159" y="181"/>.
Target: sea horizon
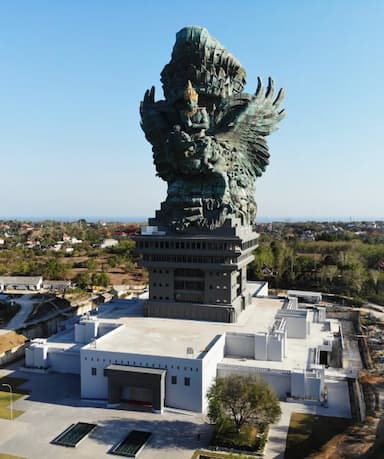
<point x="141" y="219"/>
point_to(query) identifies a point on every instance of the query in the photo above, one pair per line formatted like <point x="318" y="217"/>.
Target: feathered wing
<point x="155" y="119"/>
<point x="245" y="120"/>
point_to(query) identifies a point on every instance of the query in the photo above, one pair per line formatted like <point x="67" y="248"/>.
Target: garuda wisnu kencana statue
<point x="208" y="137"/>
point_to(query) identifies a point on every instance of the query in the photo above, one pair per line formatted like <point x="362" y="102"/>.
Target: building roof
<point x="172" y="337"/>
<point x="24" y="280"/>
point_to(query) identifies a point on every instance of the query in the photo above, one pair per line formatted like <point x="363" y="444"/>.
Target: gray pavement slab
<point x="54" y="405"/>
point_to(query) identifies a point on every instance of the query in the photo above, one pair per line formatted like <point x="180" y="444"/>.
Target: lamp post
<point x="10" y="396"/>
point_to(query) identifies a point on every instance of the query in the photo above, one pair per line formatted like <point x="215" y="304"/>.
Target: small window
<point x="93" y="371"/>
<point x="187" y="381"/>
<point x="174" y="379"/>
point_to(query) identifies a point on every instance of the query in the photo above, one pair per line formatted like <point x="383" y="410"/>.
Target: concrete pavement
<point x="54" y="405"/>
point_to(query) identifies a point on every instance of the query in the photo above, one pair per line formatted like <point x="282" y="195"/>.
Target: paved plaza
<point x="54" y="404"/>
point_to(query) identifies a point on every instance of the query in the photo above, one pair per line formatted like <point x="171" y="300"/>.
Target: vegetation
<point x="308" y="433"/>
<point x="5" y="412"/>
<point x="203" y="454"/>
<point x="346" y="267"/>
<point x="241" y="407"/>
<point x="70" y="251"/>
<point x="10" y="456"/>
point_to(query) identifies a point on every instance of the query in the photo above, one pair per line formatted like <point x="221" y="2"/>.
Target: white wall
<point x="36" y="356"/>
<point x="307" y="385"/>
<point x="86" y="330"/>
<point x="210" y="361"/>
<point x="297" y="327"/>
<point x="276" y="346"/>
<point x="64" y="361"/>
<point x="240" y="345"/>
<point x="298" y="384"/>
<point x="176" y="395"/>
<point x="261" y="344"/>
<point x="280" y="381"/>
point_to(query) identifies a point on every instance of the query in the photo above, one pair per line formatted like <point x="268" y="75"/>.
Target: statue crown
<point x="190" y="92"/>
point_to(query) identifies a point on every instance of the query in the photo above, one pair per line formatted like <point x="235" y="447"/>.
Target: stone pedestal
<point x="198" y="276"/>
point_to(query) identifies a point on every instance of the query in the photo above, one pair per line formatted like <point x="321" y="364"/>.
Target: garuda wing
<point x="245" y="120"/>
<point x="156" y="117"/>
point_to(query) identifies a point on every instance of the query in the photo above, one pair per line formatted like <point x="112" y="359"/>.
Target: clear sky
<point x="73" y="72"/>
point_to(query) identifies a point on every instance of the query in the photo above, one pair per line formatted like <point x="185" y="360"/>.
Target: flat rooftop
<point x="297" y="352"/>
<point x="172" y="337"/>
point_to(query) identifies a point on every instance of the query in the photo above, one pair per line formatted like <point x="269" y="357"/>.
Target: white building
<point x="123" y="356"/>
<point x="109" y="243"/>
<point x="20" y="283"/>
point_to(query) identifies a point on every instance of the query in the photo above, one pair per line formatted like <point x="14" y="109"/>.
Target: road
<point x="26" y="302"/>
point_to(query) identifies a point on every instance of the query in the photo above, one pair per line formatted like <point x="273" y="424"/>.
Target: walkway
<point x="26" y="302"/>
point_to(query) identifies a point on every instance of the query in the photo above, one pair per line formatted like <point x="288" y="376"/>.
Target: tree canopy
<point x="242" y="400"/>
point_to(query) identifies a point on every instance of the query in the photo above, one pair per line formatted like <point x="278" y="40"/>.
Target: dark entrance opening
<point x="323" y="359"/>
<point x="143" y="387"/>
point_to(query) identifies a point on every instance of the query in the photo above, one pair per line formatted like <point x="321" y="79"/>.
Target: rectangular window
<point x="174" y="379"/>
<point x="93" y="371"/>
<point x="187" y="381"/>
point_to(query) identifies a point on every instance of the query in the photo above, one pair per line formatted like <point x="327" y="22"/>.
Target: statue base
<point x="198" y="276"/>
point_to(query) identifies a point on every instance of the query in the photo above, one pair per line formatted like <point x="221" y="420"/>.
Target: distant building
<point x="108" y="243"/>
<point x="20" y="283"/>
<point x="56" y="285"/>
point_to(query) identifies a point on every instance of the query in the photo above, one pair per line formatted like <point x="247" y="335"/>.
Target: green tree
<point x="101" y="279"/>
<point x="264" y="259"/>
<point x="83" y="280"/>
<point x="242" y="400"/>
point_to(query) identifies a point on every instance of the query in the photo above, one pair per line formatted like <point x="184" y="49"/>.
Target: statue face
<point x="190" y="105"/>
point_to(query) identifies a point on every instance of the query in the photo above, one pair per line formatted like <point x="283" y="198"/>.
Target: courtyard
<point x="53" y="405"/>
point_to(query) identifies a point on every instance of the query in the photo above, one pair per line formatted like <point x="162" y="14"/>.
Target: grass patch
<point x="10" y="456"/>
<point x="200" y="454"/>
<point x="5" y="412"/>
<point x="307" y="433"/>
<point x="251" y="438"/>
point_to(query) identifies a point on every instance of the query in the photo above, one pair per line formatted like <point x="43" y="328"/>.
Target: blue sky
<point x="73" y="72"/>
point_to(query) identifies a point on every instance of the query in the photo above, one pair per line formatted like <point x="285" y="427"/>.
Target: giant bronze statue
<point x="208" y="137"/>
<point x="209" y="145"/>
